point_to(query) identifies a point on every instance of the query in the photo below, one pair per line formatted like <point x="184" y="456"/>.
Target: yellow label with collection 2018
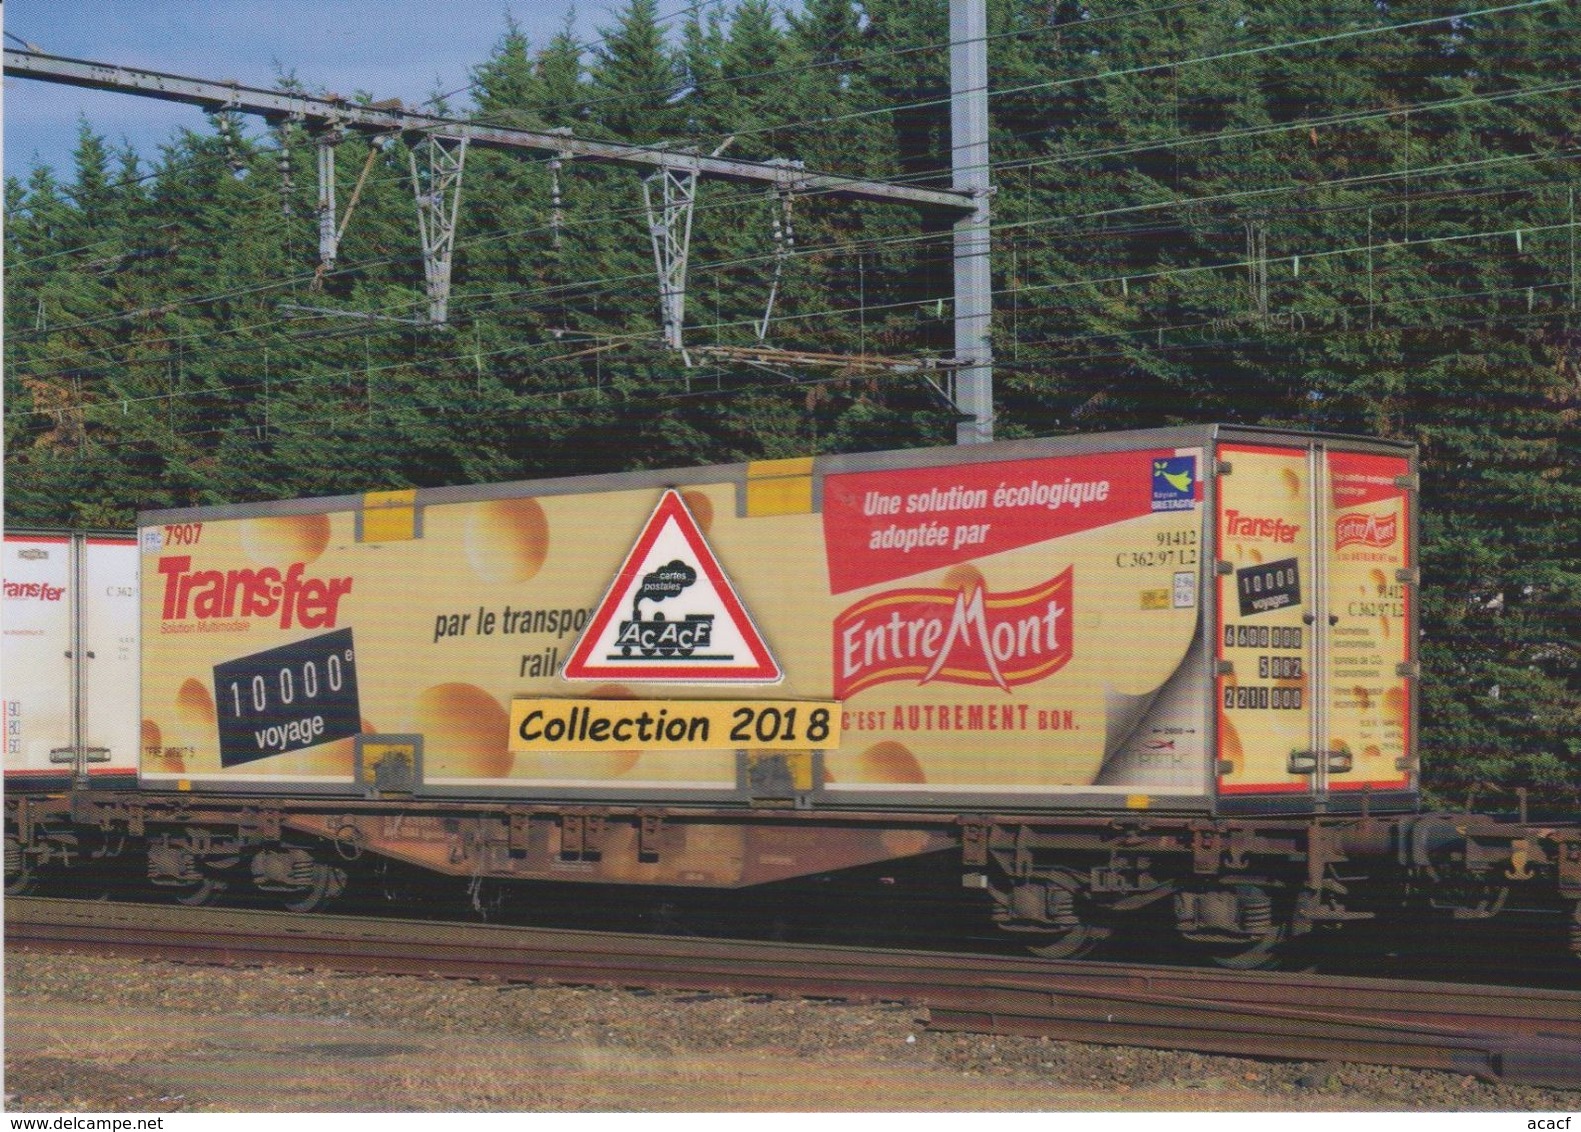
<point x="675" y="725"/>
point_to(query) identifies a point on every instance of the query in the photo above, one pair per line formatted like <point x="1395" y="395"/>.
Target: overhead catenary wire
<point x="1006" y="225"/>
<point x="544" y="402"/>
<point x="1176" y="204"/>
<point x="239" y="388"/>
<point x="924" y="175"/>
<point x="1170" y="65"/>
<point x="1006" y="229"/>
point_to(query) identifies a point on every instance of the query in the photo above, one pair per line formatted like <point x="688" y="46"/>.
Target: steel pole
<point x="974" y="382"/>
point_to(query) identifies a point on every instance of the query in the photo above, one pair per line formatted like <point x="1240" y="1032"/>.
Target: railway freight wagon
<point x="69" y="684"/>
<point x="1168" y="673"/>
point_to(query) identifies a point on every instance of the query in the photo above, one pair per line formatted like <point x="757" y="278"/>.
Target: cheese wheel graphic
<point x="335" y="758"/>
<point x="156" y="757"/>
<point x="282" y="540"/>
<point x="194" y="706"/>
<point x="583" y="764"/>
<point x="701" y="507"/>
<point x="465" y="733"/>
<point x="889" y="761"/>
<point x="191" y="728"/>
<point x="1394" y="700"/>
<point x="507" y="540"/>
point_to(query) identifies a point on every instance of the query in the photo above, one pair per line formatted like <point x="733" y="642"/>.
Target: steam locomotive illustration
<point x="657" y="636"/>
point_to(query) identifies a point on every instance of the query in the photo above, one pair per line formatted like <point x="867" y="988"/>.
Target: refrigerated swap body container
<point x="1204" y="620"/>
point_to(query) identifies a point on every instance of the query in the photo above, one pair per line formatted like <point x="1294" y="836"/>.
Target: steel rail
<point x="1512" y="1034"/>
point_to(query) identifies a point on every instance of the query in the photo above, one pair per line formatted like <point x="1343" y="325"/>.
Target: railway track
<point x="1515" y="1035"/>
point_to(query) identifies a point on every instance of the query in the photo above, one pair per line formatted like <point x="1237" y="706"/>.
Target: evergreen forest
<point x="1354" y="216"/>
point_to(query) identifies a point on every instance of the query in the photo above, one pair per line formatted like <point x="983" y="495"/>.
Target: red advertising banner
<point x="1358" y="478"/>
<point x="881" y="526"/>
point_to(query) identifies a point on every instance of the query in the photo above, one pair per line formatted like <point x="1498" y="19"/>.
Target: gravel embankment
<point x="90" y="1034"/>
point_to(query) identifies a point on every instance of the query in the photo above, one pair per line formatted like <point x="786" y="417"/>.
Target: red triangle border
<point x="763" y="669"/>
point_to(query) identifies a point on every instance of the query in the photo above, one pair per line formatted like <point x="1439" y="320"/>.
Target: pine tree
<point x="636" y="77"/>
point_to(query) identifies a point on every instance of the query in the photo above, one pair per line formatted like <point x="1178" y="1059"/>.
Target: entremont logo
<point x="959" y="637"/>
<point x="312" y="603"/>
<point x="1237" y="525"/>
<point x="1366" y="530"/>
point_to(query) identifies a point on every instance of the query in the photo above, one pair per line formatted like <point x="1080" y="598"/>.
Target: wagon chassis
<point x="1236" y="887"/>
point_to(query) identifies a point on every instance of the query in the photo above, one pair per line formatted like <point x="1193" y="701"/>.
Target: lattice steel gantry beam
<point x="395" y="119"/>
<point x="436" y="184"/>
<point x="670" y="228"/>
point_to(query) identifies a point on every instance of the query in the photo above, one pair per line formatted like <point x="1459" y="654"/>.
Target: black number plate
<point x="288" y="698"/>
<point x="1268" y="586"/>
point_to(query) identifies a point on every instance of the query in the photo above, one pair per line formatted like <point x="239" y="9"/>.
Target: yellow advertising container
<point x="1181" y="619"/>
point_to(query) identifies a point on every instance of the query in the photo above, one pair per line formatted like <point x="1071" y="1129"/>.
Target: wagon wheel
<point x="1070" y="944"/>
<point x="205" y="891"/>
<point x="328" y="883"/>
<point x="1260" y="953"/>
<point x="1061" y="912"/>
<point x="20" y="876"/>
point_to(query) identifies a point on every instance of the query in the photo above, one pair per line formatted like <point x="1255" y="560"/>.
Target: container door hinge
<point x="650" y="827"/>
<point x="518" y="833"/>
<point x="974" y="841"/>
<point x="1207" y="846"/>
<point x="581" y="836"/>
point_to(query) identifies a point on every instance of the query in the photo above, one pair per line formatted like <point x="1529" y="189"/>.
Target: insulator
<point x="287" y="181"/>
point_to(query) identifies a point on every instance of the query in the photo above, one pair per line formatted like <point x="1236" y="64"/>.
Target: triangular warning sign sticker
<point x="671" y="615"/>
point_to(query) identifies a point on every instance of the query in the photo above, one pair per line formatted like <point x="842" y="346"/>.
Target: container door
<point x="71" y="669"/>
<point x="39" y="673"/>
<point x="1369" y="653"/>
<point x="1269" y="600"/>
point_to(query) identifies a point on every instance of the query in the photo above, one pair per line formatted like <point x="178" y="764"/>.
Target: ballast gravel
<point x="96" y="1034"/>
